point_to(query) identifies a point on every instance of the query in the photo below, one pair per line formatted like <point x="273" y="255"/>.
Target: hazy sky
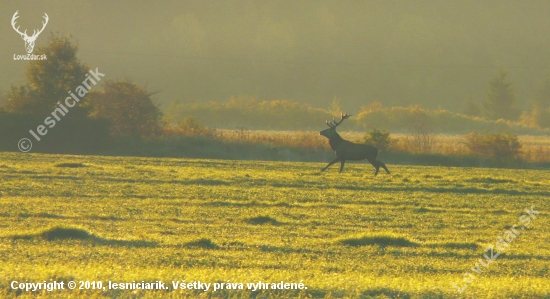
<point x="436" y="53"/>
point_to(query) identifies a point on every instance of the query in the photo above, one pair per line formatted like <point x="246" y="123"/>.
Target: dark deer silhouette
<point x="347" y="150"/>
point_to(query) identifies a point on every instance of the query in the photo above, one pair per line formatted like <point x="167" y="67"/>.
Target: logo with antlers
<point x="29" y="40"/>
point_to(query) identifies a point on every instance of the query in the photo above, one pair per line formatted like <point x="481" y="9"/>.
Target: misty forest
<point x="248" y="79"/>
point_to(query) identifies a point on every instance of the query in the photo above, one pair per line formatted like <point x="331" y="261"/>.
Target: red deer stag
<point x="346" y="150"/>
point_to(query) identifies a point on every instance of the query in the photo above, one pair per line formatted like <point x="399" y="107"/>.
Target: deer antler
<point x="15" y="17"/>
<point x="335" y="124"/>
<point x="43" y="25"/>
<point x="34" y="34"/>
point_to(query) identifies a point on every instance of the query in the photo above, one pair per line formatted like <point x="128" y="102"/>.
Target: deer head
<point x="331" y="132"/>
<point x="29" y="40"/>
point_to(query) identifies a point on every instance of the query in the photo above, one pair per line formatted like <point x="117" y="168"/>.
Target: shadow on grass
<point x="451" y="245"/>
<point x="206" y="182"/>
<point x="106" y="218"/>
<point x="41" y="176"/>
<point x="255" y="203"/>
<point x="426" y="210"/>
<point x="42" y="215"/>
<point x="442" y="190"/>
<point x="68" y="233"/>
<point x="286" y="249"/>
<point x="70" y="165"/>
<point x="384" y="293"/>
<point x="489" y="180"/>
<point x="381" y="240"/>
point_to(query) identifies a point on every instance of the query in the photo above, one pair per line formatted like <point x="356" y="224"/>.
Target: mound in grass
<point x="69" y="233"/>
<point x="422" y="210"/>
<point x="381" y="240"/>
<point x="203" y="243"/>
<point x="263" y="220"/>
<point x="70" y="165"/>
<point x="62" y="233"/>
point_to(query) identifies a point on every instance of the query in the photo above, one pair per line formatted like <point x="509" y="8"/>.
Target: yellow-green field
<point x="410" y="234"/>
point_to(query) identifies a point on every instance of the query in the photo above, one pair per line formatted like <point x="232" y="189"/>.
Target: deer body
<point x="347" y="150"/>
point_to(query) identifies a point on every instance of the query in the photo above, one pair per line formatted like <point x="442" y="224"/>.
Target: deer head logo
<point x="29" y="40"/>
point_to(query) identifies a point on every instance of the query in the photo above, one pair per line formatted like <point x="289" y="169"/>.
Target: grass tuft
<point x="421" y="210"/>
<point x="263" y="220"/>
<point x="381" y="240"/>
<point x="203" y="243"/>
<point x="70" y="165"/>
<point x="426" y="210"/>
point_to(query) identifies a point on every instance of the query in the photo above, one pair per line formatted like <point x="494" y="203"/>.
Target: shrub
<point x="501" y="147"/>
<point x="416" y="119"/>
<point x="190" y="125"/>
<point x="378" y="139"/>
<point x="128" y="107"/>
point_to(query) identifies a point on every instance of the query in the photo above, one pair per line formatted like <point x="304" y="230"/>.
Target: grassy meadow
<point x="410" y="234"/>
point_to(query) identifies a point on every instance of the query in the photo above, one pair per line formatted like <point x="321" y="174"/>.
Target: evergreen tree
<point x="543" y="98"/>
<point x="471" y="108"/>
<point x="541" y="108"/>
<point x="501" y="100"/>
<point x="335" y="107"/>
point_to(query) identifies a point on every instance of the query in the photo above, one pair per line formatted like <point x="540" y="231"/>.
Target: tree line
<point x="121" y="109"/>
<point x="122" y="112"/>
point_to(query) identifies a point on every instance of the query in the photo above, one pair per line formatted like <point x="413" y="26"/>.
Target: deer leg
<point x="331" y="162"/>
<point x="342" y="165"/>
<point x="375" y="164"/>
<point x="383" y="166"/>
